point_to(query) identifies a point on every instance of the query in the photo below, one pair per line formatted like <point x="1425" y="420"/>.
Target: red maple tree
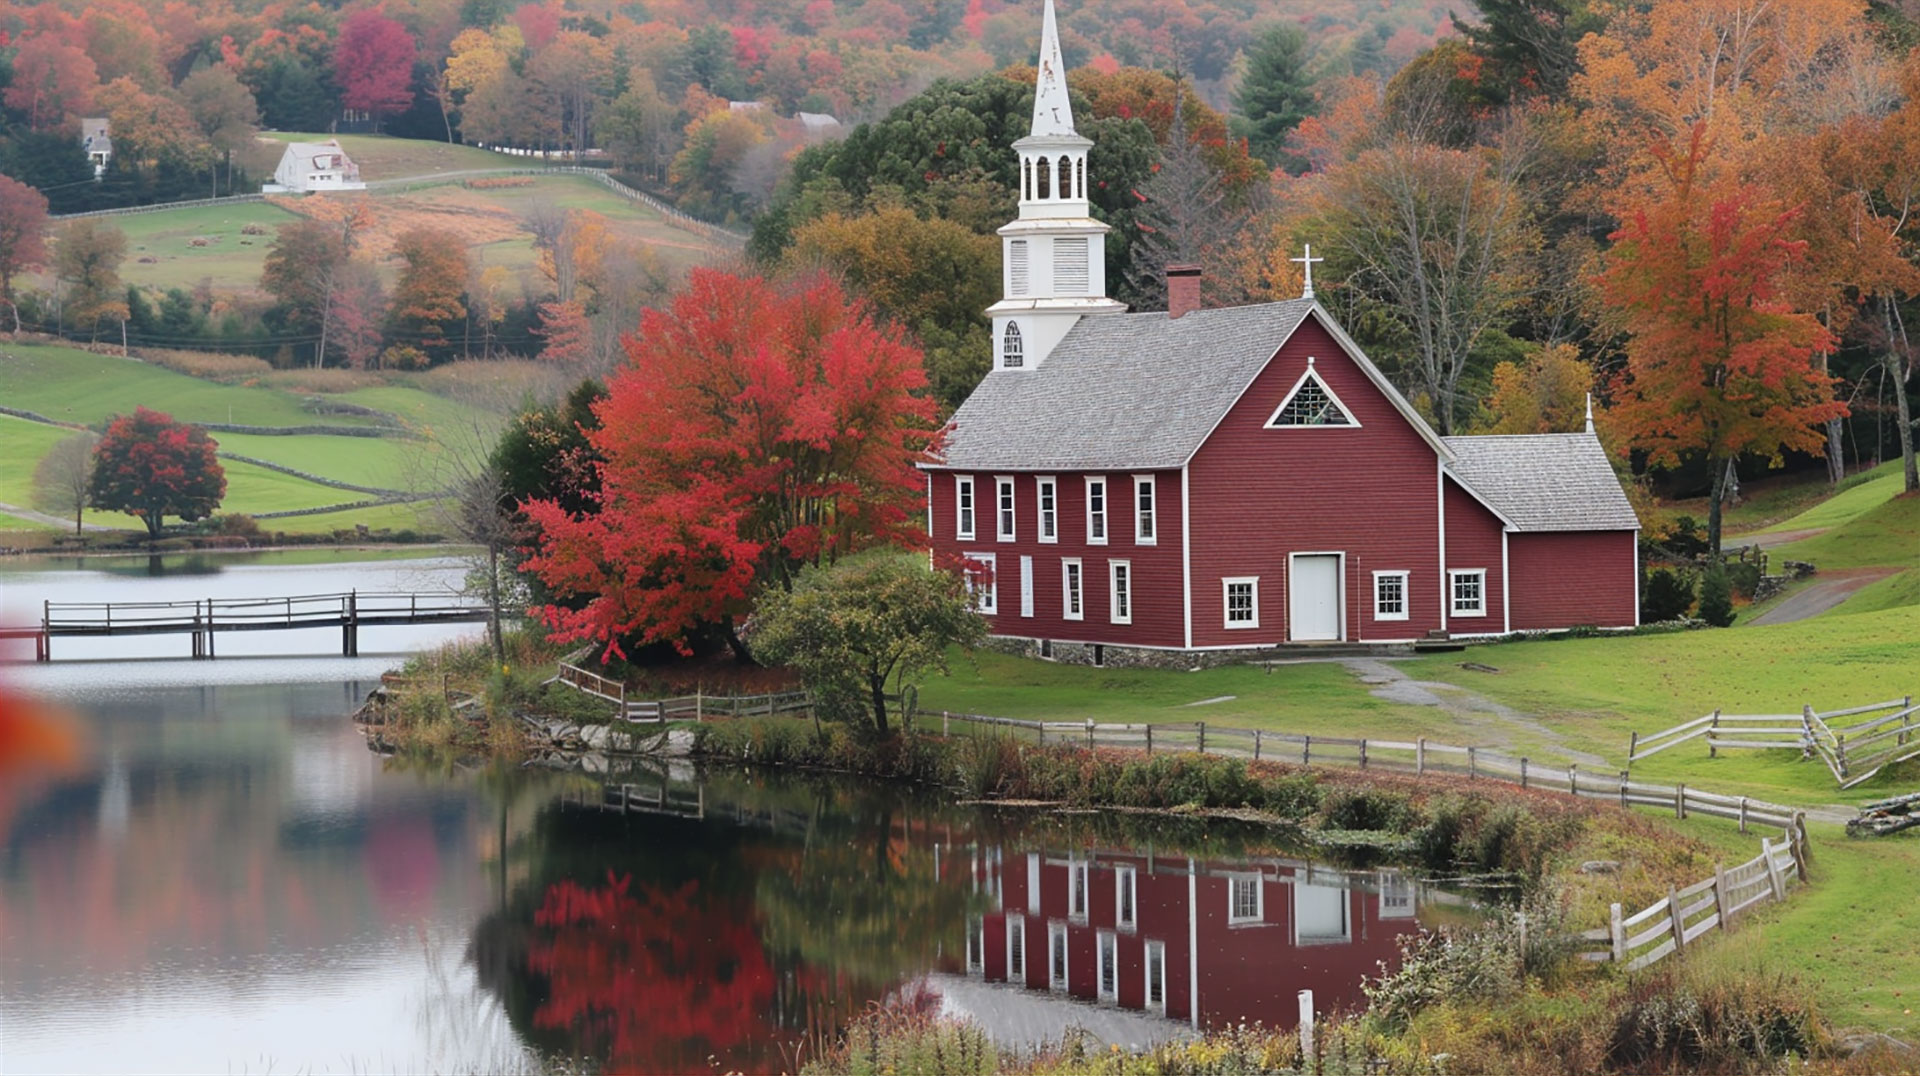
<point x="373" y="64"/>
<point x="23" y="231"/>
<point x="1718" y="363"/>
<point x="150" y="466"/>
<point x="756" y="429"/>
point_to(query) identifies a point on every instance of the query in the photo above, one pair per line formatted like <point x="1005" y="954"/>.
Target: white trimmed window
<point x="976" y="945"/>
<point x="1026" y="585"/>
<point x="1242" y="601"/>
<point x="1469" y="590"/>
<point x="1096" y="511"/>
<point x="1143" y="527"/>
<point x="1016" y="948"/>
<point x="1120" y="591"/>
<point x="1072" y="600"/>
<point x="1126" y="908"/>
<point x="1156" y="967"/>
<point x="1049" y="496"/>
<point x="1311" y="403"/>
<point x="1013" y="350"/>
<point x="1390" y="595"/>
<point x="1056" y="956"/>
<point x="1003" y="499"/>
<point x="983" y="582"/>
<point x="1079" y="873"/>
<point x="1108" y="947"/>
<point x="1246" y="899"/>
<point x="963" y="507"/>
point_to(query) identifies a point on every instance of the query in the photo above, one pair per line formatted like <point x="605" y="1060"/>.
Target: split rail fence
<point x="695" y="707"/>
<point x="1637" y="940"/>
<point x="1883" y="735"/>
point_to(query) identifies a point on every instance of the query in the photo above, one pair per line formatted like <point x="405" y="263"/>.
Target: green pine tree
<point x="1275" y="94"/>
<point x="1716" y="596"/>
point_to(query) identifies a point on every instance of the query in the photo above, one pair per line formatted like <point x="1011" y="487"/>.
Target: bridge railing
<point x="290" y="610"/>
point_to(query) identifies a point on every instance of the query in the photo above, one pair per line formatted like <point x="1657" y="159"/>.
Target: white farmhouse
<point x="315" y="166"/>
<point x="97" y="141"/>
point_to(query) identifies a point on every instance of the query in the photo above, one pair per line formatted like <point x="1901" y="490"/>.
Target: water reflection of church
<point x="1193" y="943"/>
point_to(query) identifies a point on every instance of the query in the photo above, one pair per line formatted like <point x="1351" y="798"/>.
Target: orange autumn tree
<point x="1717" y="363"/>
<point x="757" y="428"/>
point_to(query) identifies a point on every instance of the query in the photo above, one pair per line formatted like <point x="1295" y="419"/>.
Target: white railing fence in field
<point x="1884" y="735"/>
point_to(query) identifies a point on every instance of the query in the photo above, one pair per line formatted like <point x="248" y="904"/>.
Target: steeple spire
<point x="1052" y="113"/>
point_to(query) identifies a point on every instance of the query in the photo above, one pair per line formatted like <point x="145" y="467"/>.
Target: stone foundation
<point x="1135" y="657"/>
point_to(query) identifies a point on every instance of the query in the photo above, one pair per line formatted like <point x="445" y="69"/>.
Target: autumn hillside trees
<point x="757" y="428"/>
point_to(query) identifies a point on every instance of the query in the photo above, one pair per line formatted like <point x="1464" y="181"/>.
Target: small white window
<point x="1469" y="592"/>
<point x="1125" y="899"/>
<point x="983" y="583"/>
<point x="1156" y="977"/>
<point x="1013" y="352"/>
<point x="1026" y="586"/>
<point x="1242" y="598"/>
<point x="1389" y="595"/>
<point x="1121" y="577"/>
<point x="1096" y="511"/>
<point x="1311" y="403"/>
<point x="1396" y="896"/>
<point x="976" y="945"/>
<point x="1056" y="956"/>
<point x="1109" y="949"/>
<point x="1245" y="899"/>
<point x="1143" y="531"/>
<point x="1016" y="948"/>
<point x="1003" y="487"/>
<point x="1078" y="871"/>
<point x="963" y="514"/>
<point x="1049" y="496"/>
<point x="1016" y="271"/>
<point x="1071" y="607"/>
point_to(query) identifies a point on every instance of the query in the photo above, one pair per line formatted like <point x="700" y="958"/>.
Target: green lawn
<point x="15" y="523"/>
<point x="381" y="157"/>
<point x="415" y="517"/>
<point x="1885" y="534"/>
<point x="1858" y="494"/>
<point x="1890" y="593"/>
<point x="71" y="385"/>
<point x="382" y="462"/>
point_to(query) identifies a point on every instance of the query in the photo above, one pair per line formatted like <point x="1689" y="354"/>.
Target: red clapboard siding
<point x="1257" y="494"/>
<point x="1158" y="614"/>
<point x="1473" y="541"/>
<point x="1564" y="579"/>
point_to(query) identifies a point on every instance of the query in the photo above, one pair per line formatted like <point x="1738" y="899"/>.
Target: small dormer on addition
<point x="1053" y="267"/>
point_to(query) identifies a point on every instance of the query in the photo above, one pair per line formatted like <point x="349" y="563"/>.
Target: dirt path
<point x="1492" y="724"/>
<point x="1778" y="538"/>
<point x="1829" y="590"/>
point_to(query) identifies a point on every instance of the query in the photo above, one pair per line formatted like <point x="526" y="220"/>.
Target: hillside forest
<point x="1698" y="211"/>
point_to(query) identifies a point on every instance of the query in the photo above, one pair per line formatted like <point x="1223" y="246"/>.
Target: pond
<point x="233" y="881"/>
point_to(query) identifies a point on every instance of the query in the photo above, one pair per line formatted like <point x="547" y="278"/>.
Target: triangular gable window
<point x="1311" y="403"/>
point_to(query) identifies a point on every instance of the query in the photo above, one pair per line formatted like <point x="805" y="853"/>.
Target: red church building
<point x="1240" y="478"/>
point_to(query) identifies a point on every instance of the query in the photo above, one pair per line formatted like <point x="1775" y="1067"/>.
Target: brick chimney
<point x="1183" y="289"/>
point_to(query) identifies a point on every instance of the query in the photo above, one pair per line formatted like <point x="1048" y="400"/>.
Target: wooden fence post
<point x="1778" y="883"/>
<point x="1633" y="745"/>
<point x="1743" y="814"/>
<point x="1473" y="764"/>
<point x="1573" y="778"/>
<point x="1720" y="904"/>
<point x="1679" y="801"/>
<point x="1306" y="1028"/>
<point x="1673" y="914"/>
<point x="1089" y="733"/>
<point x="1623" y="788"/>
<point x="1256" y="745"/>
<point x="1306" y="750"/>
<point x="1149" y="739"/>
<point x="1806" y="730"/>
<point x="1523" y="771"/>
<point x="1420" y="755"/>
<point x="698" y="690"/>
<point x="1363" y="753"/>
<point x="946" y="723"/>
<point x="1618" y="935"/>
<point x="1201" y="726"/>
<point x="1797" y="844"/>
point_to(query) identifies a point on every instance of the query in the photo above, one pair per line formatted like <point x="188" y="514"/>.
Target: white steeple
<point x="1054" y="256"/>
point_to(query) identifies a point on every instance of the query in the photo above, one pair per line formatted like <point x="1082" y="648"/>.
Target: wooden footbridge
<point x="203" y="619"/>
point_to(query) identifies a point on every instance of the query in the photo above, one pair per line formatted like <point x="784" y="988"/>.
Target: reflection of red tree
<point x="652" y="980"/>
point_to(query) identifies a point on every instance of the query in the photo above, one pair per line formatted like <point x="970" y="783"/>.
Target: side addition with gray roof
<point x="1544" y="482"/>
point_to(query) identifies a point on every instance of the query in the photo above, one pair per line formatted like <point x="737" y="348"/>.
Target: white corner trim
<point x="1186" y="554"/>
<point x="1440" y="507"/>
<point x="1506" y="587"/>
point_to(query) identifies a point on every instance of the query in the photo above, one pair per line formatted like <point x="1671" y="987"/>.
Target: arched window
<point x="1066" y="177"/>
<point x="1080" y="178"/>
<point x="1012" y="351"/>
<point x="1046" y="181"/>
<point x="1026" y="180"/>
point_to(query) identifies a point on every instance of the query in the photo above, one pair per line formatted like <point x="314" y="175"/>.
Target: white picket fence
<point x="1852" y="753"/>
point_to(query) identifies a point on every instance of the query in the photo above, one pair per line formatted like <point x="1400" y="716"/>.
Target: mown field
<point x="80" y="387"/>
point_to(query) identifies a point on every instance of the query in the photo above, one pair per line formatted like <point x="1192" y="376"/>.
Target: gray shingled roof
<point x="1545" y="481"/>
<point x="1120" y="391"/>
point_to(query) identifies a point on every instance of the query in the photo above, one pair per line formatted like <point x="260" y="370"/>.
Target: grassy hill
<point x="75" y="386"/>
